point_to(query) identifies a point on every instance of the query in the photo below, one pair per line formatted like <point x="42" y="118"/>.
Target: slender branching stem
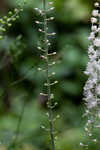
<point x="50" y="111"/>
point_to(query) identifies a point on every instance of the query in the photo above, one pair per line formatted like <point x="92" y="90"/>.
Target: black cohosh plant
<point x="46" y="56"/>
<point x="92" y="86"/>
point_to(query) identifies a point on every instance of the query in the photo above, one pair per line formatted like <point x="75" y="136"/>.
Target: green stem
<point x="48" y="80"/>
<point x="14" y="143"/>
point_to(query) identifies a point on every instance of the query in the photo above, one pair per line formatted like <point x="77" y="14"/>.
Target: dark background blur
<point x="21" y="83"/>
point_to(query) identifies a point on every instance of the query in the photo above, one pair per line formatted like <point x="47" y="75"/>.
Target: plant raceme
<point x="92" y="86"/>
<point x="46" y="55"/>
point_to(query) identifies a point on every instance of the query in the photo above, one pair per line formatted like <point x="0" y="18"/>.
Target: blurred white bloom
<point x="96" y="4"/>
<point x="92" y="86"/>
<point x="92" y="104"/>
<point x="89" y="121"/>
<point x="92" y="36"/>
<point x="98" y="89"/>
<point x="90" y="49"/>
<point x="95" y="140"/>
<point x="97" y="42"/>
<point x="94" y="20"/>
<point x="95" y="13"/>
<point x="94" y="28"/>
<point x="90" y="134"/>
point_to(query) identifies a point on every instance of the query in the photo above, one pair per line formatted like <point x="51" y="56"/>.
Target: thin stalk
<point x="19" y="123"/>
<point x="50" y="111"/>
<point x="17" y="132"/>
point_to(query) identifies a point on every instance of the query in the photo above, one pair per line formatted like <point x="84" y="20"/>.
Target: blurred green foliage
<point x="21" y="83"/>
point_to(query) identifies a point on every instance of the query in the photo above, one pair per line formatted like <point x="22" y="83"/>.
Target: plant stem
<point x="17" y="132"/>
<point x="48" y="79"/>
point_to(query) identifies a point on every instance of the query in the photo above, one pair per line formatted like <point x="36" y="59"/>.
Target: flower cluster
<point x="44" y="47"/>
<point x="6" y="21"/>
<point x="46" y="55"/>
<point x="92" y="86"/>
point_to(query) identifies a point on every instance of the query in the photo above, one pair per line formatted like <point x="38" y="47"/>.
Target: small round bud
<point x="10" y="13"/>
<point x="89" y="121"/>
<point x="56" y="82"/>
<point x="94" y="28"/>
<point x="95" y="140"/>
<point x="1" y="20"/>
<point x="39" y="69"/>
<point x="37" y="22"/>
<point x="50" y="3"/>
<point x="54" y="53"/>
<point x="45" y="84"/>
<point x="21" y="9"/>
<point x="96" y="4"/>
<point x="95" y="13"/>
<point x="40" y="30"/>
<point x="9" y="24"/>
<point x="54" y="63"/>
<point x="90" y="134"/>
<point x="51" y="18"/>
<point x="5" y="17"/>
<point x="43" y="127"/>
<point x="52" y="8"/>
<point x="81" y="144"/>
<point x="49" y="44"/>
<point x="15" y="10"/>
<point x="93" y="20"/>
<point x="53" y="73"/>
<point x="53" y="33"/>
<point x="17" y="17"/>
<point x="58" y="116"/>
<point x="36" y="8"/>
<point x="39" y="47"/>
<point x="8" y="19"/>
<point x="56" y="137"/>
<point x="86" y="129"/>
<point x="52" y="96"/>
<point x="13" y="19"/>
<point x="43" y="94"/>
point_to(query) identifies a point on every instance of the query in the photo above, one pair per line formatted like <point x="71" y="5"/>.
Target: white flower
<point x="89" y="121"/>
<point x="92" y="36"/>
<point x="94" y="28"/>
<point x="98" y="89"/>
<point x="95" y="13"/>
<point x="94" y="20"/>
<point x="91" y="104"/>
<point x="92" y="86"/>
<point x="98" y="54"/>
<point x="90" y="134"/>
<point x="81" y="144"/>
<point x="97" y="42"/>
<point x="90" y="49"/>
<point x="95" y="140"/>
<point x="96" y="4"/>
